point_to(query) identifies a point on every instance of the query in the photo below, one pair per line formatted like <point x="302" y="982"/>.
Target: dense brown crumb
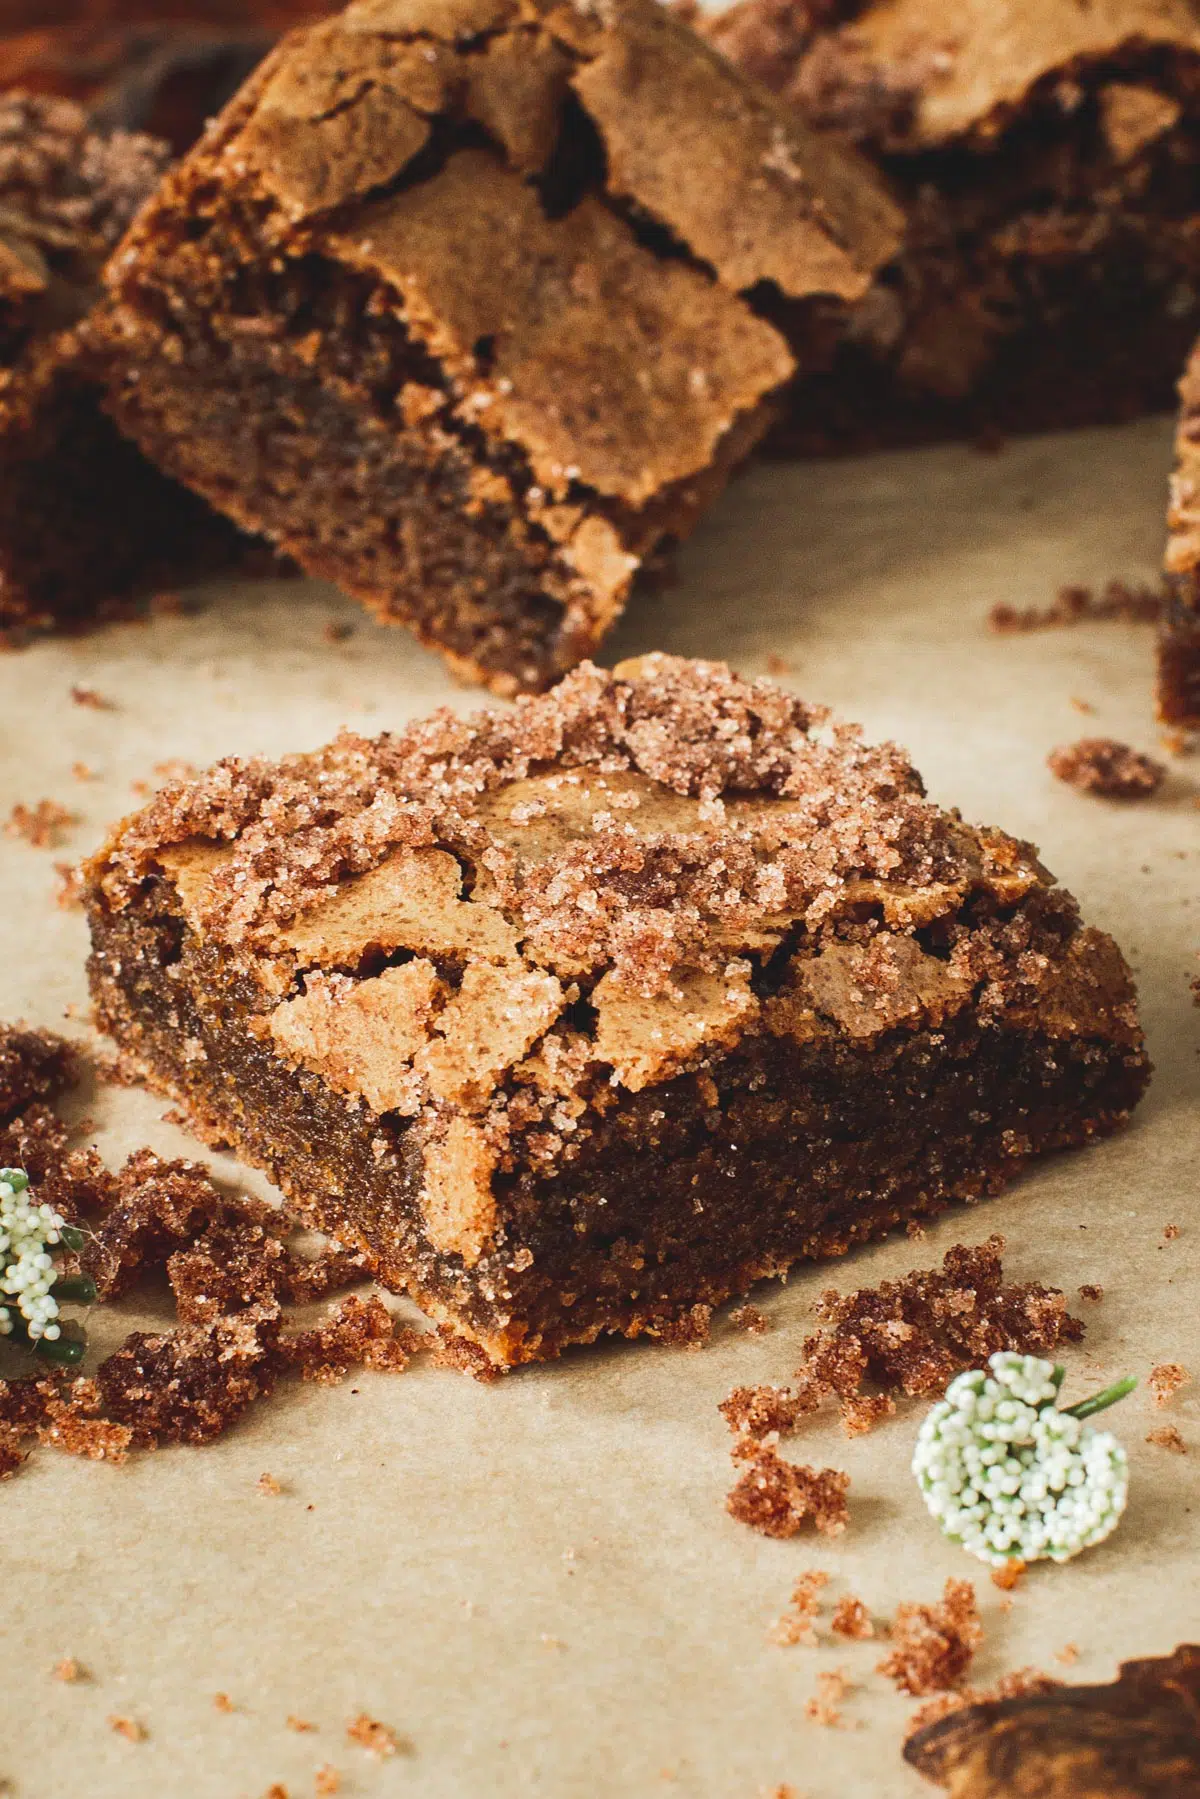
<point x="825" y="1707"/>
<point x="87" y="696"/>
<point x="932" y="1645"/>
<point x="73" y="1422"/>
<point x="749" y="1319"/>
<point x="361" y="1333"/>
<point x="377" y="1739"/>
<point x="778" y="1497"/>
<point x="912" y="1336"/>
<point x="796" y="1624"/>
<point x="1008" y="1577"/>
<point x="34" y="1065"/>
<point x="1017" y="1685"/>
<point x="43" y="825"/>
<point x="1090" y="1290"/>
<point x="1104" y="766"/>
<point x="189" y="1385"/>
<point x="1165" y="1381"/>
<point x="1167" y="1436"/>
<point x="129" y="1728"/>
<point x="689" y="1331"/>
<point x="851" y="1619"/>
<point x="1074" y="605"/>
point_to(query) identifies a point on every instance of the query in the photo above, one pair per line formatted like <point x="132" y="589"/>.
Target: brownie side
<point x="550" y="363"/>
<point x="1179" y="644"/>
<point x="1047" y="156"/>
<point x="621" y="1049"/>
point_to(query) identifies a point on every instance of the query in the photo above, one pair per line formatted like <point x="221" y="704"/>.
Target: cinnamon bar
<point x="465" y="305"/>
<point x="579" y="1016"/>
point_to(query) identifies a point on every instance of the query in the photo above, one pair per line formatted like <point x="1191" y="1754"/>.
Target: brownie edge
<point x="577" y="1016"/>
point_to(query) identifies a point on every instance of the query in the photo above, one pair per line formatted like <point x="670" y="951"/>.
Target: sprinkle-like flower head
<point x="1009" y="1475"/>
<point x="28" y="1232"/>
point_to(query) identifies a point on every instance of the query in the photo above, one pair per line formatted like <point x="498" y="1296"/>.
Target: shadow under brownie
<point x="464" y="307"/>
<point x="578" y="1016"/>
<point x="1048" y="155"/>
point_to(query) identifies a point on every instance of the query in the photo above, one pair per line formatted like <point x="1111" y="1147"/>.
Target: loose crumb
<point x="933" y="1645"/>
<point x="751" y="1320"/>
<point x="1018" y="1685"/>
<point x="796" y="1623"/>
<point x="778" y="1497"/>
<point x="42" y="825"/>
<point x="1092" y="1291"/>
<point x="268" y="1486"/>
<point x="276" y="1791"/>
<point x="68" y="894"/>
<point x="69" y="1670"/>
<point x="329" y="1781"/>
<point x="1104" y="766"/>
<point x="851" y="1620"/>
<point x="1008" y="1577"/>
<point x="778" y="666"/>
<point x="83" y="771"/>
<point x="223" y="1702"/>
<point x="1074" y="604"/>
<point x="300" y="1724"/>
<point x="1171" y="1231"/>
<point x="335" y="631"/>
<point x="1068" y="1655"/>
<point x="1166" y="1436"/>
<point x="825" y="1707"/>
<point x="375" y="1738"/>
<point x="690" y="1331"/>
<point x="87" y="696"/>
<point x="1081" y="705"/>
<point x="1165" y="1381"/>
<point x="129" y="1728"/>
<point x="762" y="1411"/>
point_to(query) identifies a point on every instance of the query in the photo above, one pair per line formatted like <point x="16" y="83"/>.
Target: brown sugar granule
<point x="298" y="1724"/>
<point x="915" y="1334"/>
<point x="1165" y="1381"/>
<point x="361" y="1333"/>
<point x="761" y="1411"/>
<point x="1171" y="1232"/>
<point x="1076" y="605"/>
<point x="328" y="1782"/>
<point x="69" y="1670"/>
<point x="223" y="1702"/>
<point x="129" y="1728"/>
<point x="851" y="1619"/>
<point x="1008" y="1577"/>
<point x="751" y="1320"/>
<point x="270" y="1488"/>
<point x="1166" y="1436"/>
<point x="1090" y="1290"/>
<point x="87" y="696"/>
<point x="377" y="1739"/>
<point x="42" y="825"/>
<point x="1104" y="766"/>
<point x="796" y="1625"/>
<point x="932" y="1645"/>
<point x="825" y="1707"/>
<point x="778" y="1497"/>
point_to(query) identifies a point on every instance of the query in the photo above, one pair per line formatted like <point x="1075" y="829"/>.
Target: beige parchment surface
<point x="537" y="1584"/>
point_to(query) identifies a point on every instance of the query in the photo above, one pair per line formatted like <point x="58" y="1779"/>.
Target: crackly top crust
<point x="579" y="272"/>
<point x="1183" y="546"/>
<point x="492" y="925"/>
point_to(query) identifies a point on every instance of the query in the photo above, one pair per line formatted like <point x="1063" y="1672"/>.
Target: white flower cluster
<point x="27" y="1233"/>
<point x="1011" y="1477"/>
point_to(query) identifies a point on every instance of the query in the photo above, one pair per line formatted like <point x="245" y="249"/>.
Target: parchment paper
<point x="536" y="1583"/>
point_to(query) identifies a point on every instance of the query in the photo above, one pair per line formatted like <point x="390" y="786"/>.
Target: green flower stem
<point x="1100" y="1402"/>
<point x="67" y="1351"/>
<point x="75" y="1289"/>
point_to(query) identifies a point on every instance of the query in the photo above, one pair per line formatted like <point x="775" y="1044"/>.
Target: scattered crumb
<point x="176" y="769"/>
<point x="361" y="1333"/>
<point x="761" y="1411"/>
<point x="69" y="892"/>
<point x="1017" y="1685"/>
<point x="372" y="1736"/>
<point x="782" y="1791"/>
<point x="69" y="1670"/>
<point x="1073" y="605"/>
<point x="336" y="631"/>
<point x="691" y="1331"/>
<point x="223" y="1702"/>
<point x="1068" y="1655"/>
<point x="1171" y="1231"/>
<point x="329" y="1781"/>
<point x="83" y="771"/>
<point x="825" y="1707"/>
<point x="1082" y="705"/>
<point x="300" y="1724"/>
<point x="1166" y="1379"/>
<point x="777" y="1497"/>
<point x="932" y="1645"/>
<point x="852" y="1620"/>
<point x="87" y="696"/>
<point x="129" y="1728"/>
<point x="1166" y="1436"/>
<point x="1008" y="1577"/>
<point x="751" y="1320"/>
<point x="42" y="825"/>
<point x="1104" y="766"/>
<point x="1091" y="1291"/>
<point x="268" y="1486"/>
<point x="796" y="1624"/>
<point x="778" y="666"/>
<point x="276" y="1791"/>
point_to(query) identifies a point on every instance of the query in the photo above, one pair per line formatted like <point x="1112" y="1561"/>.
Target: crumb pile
<point x="932" y="1646"/>
<point x="778" y="1498"/>
<point x="1075" y="605"/>
<point x="909" y="1336"/>
<point x="228" y="1262"/>
<point x="1104" y="766"/>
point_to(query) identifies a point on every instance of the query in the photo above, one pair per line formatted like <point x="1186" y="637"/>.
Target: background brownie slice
<point x="469" y="279"/>
<point x="1049" y="155"/>
<point x="1179" y="646"/>
<point x="85" y="521"/>
<point x="580" y="1015"/>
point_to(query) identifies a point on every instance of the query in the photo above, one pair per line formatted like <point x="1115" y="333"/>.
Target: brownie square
<point x="464" y="305"/>
<point x="85" y="521"/>
<point x="1048" y="155"/>
<point x="1179" y="644"/>
<point x="578" y="1016"/>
